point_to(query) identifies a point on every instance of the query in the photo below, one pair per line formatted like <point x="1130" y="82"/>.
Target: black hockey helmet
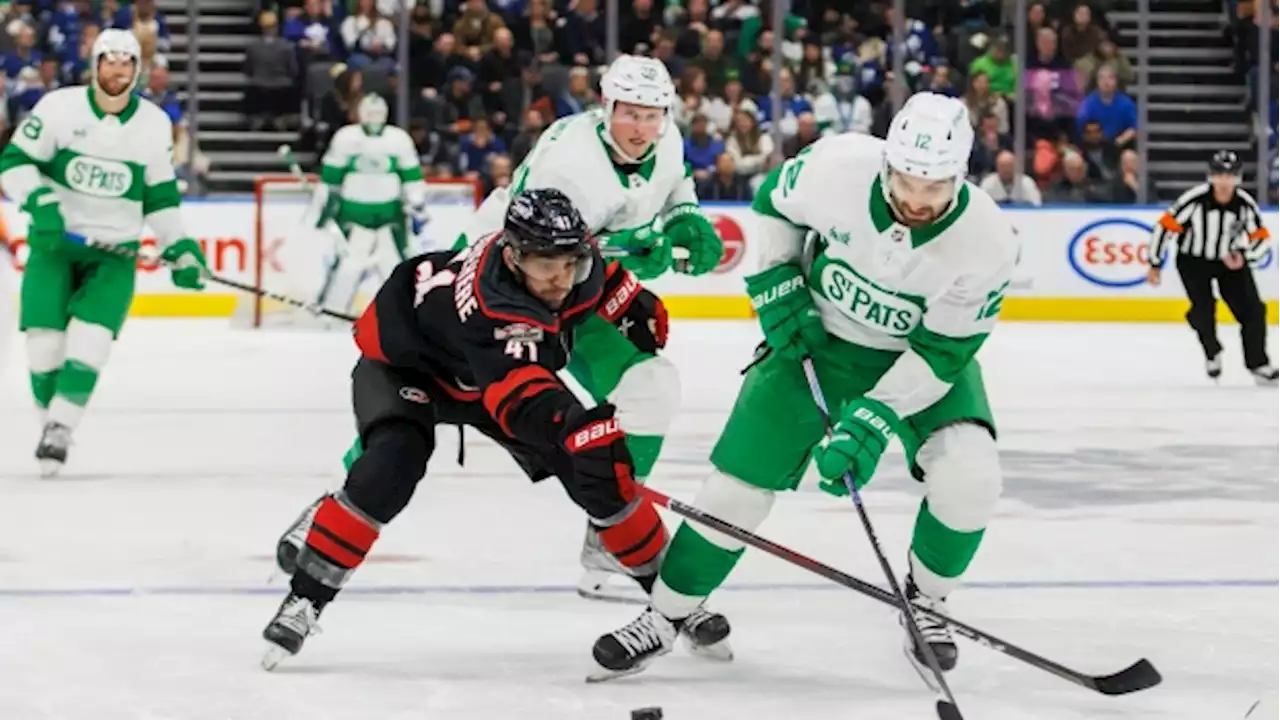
<point x="1225" y="162"/>
<point x="544" y="222"/>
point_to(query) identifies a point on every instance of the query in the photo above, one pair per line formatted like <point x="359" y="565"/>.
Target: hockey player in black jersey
<point x="475" y="338"/>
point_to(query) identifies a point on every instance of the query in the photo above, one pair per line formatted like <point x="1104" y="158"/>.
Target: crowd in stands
<point x="45" y="44"/>
<point x="1247" y="16"/>
<point x="485" y="77"/>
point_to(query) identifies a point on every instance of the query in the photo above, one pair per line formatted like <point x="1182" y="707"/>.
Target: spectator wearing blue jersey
<point x="869" y="70"/>
<point x="34" y="83"/>
<point x="919" y="45"/>
<point x="313" y="32"/>
<point x="1113" y="110"/>
<point x="477" y="148"/>
<point x="75" y="68"/>
<point x="157" y="91"/>
<point x="701" y="148"/>
<point x="62" y="32"/>
<point x="24" y="55"/>
<point x="792" y="105"/>
<point x="143" y="13"/>
<point x="578" y="97"/>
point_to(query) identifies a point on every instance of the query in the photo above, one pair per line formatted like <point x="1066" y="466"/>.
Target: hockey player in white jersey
<point x="93" y="163"/>
<point x="898" y="285"/>
<point x="372" y="189"/>
<point x="623" y="167"/>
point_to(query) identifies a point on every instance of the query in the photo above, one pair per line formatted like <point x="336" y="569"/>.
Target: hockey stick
<point x="284" y="299"/>
<point x="946" y="705"/>
<point x="1141" y="675"/>
<point x="295" y="168"/>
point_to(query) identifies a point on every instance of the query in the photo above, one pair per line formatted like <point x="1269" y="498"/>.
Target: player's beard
<point x="114" y="87"/>
<point x="914" y="217"/>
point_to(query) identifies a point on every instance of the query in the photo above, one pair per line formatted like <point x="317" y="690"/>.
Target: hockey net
<point x="292" y="257"/>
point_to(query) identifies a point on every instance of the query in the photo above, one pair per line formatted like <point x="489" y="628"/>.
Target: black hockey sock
<point x="647" y="581"/>
<point x="303" y="585"/>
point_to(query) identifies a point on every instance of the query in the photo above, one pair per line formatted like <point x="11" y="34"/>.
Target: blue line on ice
<point x="210" y="591"/>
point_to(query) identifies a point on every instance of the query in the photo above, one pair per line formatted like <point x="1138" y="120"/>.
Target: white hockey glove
<point x="418" y="219"/>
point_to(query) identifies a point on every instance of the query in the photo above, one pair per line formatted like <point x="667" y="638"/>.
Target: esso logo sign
<point x="735" y="242"/>
<point x="1111" y="252"/>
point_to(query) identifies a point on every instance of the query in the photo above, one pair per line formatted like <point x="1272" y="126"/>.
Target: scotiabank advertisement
<point x="1081" y="263"/>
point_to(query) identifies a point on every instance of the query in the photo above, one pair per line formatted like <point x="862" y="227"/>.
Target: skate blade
<point x="720" y="652"/>
<point x="274" y="656"/>
<point x="49" y="468"/>
<point x="603" y="675"/>
<point x="596" y="585"/>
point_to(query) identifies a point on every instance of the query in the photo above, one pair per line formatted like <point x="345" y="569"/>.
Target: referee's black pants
<point x="1241" y="296"/>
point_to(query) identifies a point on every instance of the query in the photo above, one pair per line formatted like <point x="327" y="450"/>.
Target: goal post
<point x="291" y="256"/>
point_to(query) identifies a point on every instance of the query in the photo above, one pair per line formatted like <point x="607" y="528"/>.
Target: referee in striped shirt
<point x="1216" y="230"/>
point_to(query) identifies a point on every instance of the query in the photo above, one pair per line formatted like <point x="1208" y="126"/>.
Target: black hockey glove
<point x="635" y="311"/>
<point x="602" y="465"/>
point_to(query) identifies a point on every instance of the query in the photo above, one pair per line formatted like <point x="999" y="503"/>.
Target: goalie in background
<point x="372" y="196"/>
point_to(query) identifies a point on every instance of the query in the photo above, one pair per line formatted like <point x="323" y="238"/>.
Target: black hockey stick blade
<point x="1138" y="676"/>
<point x="948" y="711"/>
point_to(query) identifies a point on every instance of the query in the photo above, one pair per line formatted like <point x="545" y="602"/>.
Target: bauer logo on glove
<point x="591" y="435"/>
<point x="777" y="292"/>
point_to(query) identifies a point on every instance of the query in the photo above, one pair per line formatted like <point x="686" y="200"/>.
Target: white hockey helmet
<point x="640" y="81"/>
<point x="929" y="138"/>
<point x="118" y="44"/>
<point x="372" y="113"/>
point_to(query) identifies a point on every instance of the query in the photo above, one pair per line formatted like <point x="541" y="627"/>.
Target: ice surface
<point x="1139" y="519"/>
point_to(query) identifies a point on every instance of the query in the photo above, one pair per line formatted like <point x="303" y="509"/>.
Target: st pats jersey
<point x="108" y="171"/>
<point x="933" y="293"/>
<point x="572" y="157"/>
<point x="372" y="172"/>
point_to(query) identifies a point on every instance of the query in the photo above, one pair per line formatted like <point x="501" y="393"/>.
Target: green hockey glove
<point x="855" y="445"/>
<point x="332" y="206"/>
<point x="191" y="266"/>
<point x="48" y="229"/>
<point x="688" y="228"/>
<point x="792" y="326"/>
<point x="649" y="252"/>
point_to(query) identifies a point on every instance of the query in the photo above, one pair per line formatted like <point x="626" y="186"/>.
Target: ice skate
<point x="1265" y="376"/>
<point x="1213" y="367"/>
<point x="296" y="620"/>
<point x="51" y="453"/>
<point x="630" y="648"/>
<point x="603" y="577"/>
<point x="935" y="632"/>
<point x="291" y="542"/>
<point x="706" y="635"/>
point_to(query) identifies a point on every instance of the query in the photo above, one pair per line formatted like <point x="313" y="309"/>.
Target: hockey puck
<point x="649" y="713"/>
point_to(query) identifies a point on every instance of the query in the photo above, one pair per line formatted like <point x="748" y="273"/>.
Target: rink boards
<point x="1079" y="263"/>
